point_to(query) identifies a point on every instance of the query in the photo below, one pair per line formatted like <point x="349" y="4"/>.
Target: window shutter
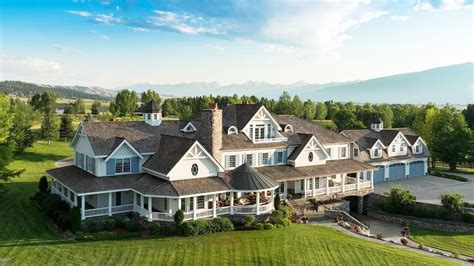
<point x="93" y="165"/>
<point x="82" y="161"/>
<point x="111" y="167"/>
<point x="227" y="158"/>
<point x="135" y="164"/>
<point x="284" y="157"/>
<point x="275" y="155"/>
<point x="260" y="159"/>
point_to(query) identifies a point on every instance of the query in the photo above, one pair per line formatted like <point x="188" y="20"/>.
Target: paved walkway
<point x="429" y="188"/>
<point x="64" y="162"/>
<point x="388" y="230"/>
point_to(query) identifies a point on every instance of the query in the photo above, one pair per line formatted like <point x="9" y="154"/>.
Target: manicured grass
<point x="462" y="243"/>
<point x="459" y="170"/>
<point x="27" y="237"/>
<point x="449" y="176"/>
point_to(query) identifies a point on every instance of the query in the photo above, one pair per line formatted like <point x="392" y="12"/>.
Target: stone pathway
<point x="64" y="162"/>
<point x="389" y="232"/>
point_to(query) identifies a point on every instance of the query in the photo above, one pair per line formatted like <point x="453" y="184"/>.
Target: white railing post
<point x="194" y="207"/>
<point x="149" y="209"/>
<point x="314" y="187"/>
<point x="358" y="181"/>
<point x="232" y="203"/>
<point x="327" y="185"/>
<point x="83" y="207"/>
<point x="272" y="201"/>
<point x="372" y="178"/>
<point x="179" y="204"/>
<point x="75" y="199"/>
<point x="258" y="203"/>
<point x="286" y="190"/>
<point x="343" y="182"/>
<point x="110" y="203"/>
<point x="214" y="210"/>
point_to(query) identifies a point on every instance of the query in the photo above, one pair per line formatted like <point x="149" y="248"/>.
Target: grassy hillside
<point x="454" y="242"/>
<point x="27" y="237"/>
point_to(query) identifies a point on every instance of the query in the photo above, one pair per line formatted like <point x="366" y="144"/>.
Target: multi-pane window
<point x="376" y="153"/>
<point x="90" y="164"/>
<point x="165" y="204"/>
<point x="343" y="152"/>
<point x="282" y="187"/>
<point x="191" y="203"/>
<point x="80" y="159"/>
<point x="200" y="202"/>
<point x="248" y="159"/>
<point x="265" y="158"/>
<point x="302" y="184"/>
<point x="259" y="131"/>
<point x="149" y="116"/>
<point x="155" y="116"/>
<point x="232" y="161"/>
<point x="183" y="204"/>
<point x="356" y="152"/>
<point x="393" y="148"/>
<point x="279" y="157"/>
<point x="269" y="131"/>
<point x="401" y="148"/>
<point x="417" y="149"/>
<point x="316" y="183"/>
<point x="310" y="184"/>
<point x="122" y="165"/>
<point x="251" y="131"/>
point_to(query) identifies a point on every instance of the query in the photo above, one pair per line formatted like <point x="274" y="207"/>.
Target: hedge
<point x="200" y="227"/>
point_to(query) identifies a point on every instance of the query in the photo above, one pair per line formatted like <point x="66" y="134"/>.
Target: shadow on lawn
<point x="39" y="157"/>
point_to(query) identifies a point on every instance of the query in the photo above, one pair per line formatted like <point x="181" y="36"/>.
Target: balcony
<point x="270" y="140"/>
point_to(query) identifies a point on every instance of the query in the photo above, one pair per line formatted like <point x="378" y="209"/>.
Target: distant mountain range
<point x="449" y="84"/>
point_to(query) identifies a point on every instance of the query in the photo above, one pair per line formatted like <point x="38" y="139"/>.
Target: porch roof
<point x="286" y="172"/>
<point x="82" y="182"/>
<point x="246" y="178"/>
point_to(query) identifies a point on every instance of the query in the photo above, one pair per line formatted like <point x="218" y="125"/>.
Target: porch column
<point x="214" y="210"/>
<point x="386" y="171"/>
<point x="425" y="167"/>
<point x="179" y="204"/>
<point x="407" y="169"/>
<point x="134" y="200"/>
<point x="327" y="185"/>
<point x="232" y="203"/>
<point x="258" y="203"/>
<point x="286" y="190"/>
<point x="110" y="203"/>
<point x="75" y="199"/>
<point x="372" y="178"/>
<point x="314" y="187"/>
<point x="273" y="197"/>
<point x="83" y="207"/>
<point x="343" y="182"/>
<point x="358" y="180"/>
<point x="142" y="203"/>
<point x="149" y="208"/>
<point x="194" y="207"/>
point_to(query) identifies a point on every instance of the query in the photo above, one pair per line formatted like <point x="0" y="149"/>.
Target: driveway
<point x="429" y="188"/>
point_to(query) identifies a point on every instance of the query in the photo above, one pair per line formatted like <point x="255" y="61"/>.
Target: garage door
<point x="417" y="168"/>
<point x="379" y="174"/>
<point x="396" y="171"/>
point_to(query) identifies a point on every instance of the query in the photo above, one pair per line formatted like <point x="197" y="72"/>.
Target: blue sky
<point x="116" y="43"/>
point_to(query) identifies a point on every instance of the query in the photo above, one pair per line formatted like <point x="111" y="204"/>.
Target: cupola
<point x="377" y="124"/>
<point x="152" y="113"/>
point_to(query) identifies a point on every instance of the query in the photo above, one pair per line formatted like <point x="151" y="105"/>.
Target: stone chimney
<point x="210" y="130"/>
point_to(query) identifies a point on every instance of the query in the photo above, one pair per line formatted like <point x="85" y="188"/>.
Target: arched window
<point x="232" y="130"/>
<point x="288" y="128"/>
<point x="194" y="169"/>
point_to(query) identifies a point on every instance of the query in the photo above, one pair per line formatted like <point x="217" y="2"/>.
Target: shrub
<point x="455" y="255"/>
<point x="249" y="220"/>
<point x="277" y="201"/>
<point x="285" y="222"/>
<point x="92" y="226"/>
<point x="179" y="217"/>
<point x="167" y="230"/>
<point x="119" y="222"/>
<point x="452" y="202"/>
<point x="108" y="224"/>
<point x="200" y="227"/>
<point x="404" y="241"/>
<point x="43" y="184"/>
<point x="401" y="198"/>
<point x="276" y="216"/>
<point x="155" y="229"/>
<point x="420" y="246"/>
<point x="75" y="219"/>
<point x="469" y="217"/>
<point x="259" y="226"/>
<point x="131" y="225"/>
<point x="223" y="224"/>
<point x="63" y="221"/>
<point x="286" y="211"/>
<point x="268" y="226"/>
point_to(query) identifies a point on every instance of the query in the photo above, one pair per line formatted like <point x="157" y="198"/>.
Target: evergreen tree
<point x="284" y="104"/>
<point x="49" y="127"/>
<point x="79" y="107"/>
<point x="20" y="132"/>
<point x="95" y="107"/>
<point x="150" y="95"/>
<point x="297" y="106"/>
<point x="65" y="129"/>
<point x="321" y="111"/>
<point x="468" y="114"/>
<point x="309" y="110"/>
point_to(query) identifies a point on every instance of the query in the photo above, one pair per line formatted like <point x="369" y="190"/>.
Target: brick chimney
<point x="210" y="130"/>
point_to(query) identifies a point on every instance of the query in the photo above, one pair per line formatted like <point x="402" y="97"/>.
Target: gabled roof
<point x="239" y="114"/>
<point x="103" y="136"/>
<point x="300" y="125"/>
<point x="172" y="149"/>
<point x="246" y="178"/>
<point x="304" y="139"/>
<point x="119" y="142"/>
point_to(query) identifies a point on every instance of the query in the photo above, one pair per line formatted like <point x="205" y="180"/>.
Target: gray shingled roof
<point x="81" y="181"/>
<point x="300" y="125"/>
<point x="246" y="178"/>
<point x="238" y="115"/>
<point x="172" y="149"/>
<point x="150" y="107"/>
<point x="143" y="137"/>
<point x="303" y="140"/>
<point x="286" y="172"/>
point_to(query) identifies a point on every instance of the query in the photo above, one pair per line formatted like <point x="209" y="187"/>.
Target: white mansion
<point x="226" y="162"/>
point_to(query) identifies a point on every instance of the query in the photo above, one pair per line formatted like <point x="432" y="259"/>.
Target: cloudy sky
<point x="116" y="43"/>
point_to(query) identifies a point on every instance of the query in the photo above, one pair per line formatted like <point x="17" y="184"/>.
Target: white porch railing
<point x="266" y="208"/>
<point x="141" y="211"/>
<point x="188" y="215"/>
<point x="122" y="208"/>
<point x="266" y="140"/>
<point x="350" y="187"/>
<point x="223" y="210"/>
<point x="364" y="184"/>
<point x="162" y="216"/>
<point x="204" y="213"/>
<point x="320" y="191"/>
<point x="247" y="209"/>
<point x="96" y="212"/>
<point x="335" y="189"/>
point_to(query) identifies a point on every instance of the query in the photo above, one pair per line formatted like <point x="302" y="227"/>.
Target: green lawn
<point x="454" y="242"/>
<point x="27" y="237"/>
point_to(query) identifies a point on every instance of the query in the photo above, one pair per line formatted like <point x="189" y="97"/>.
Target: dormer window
<point x="376" y="152"/>
<point x="232" y="130"/>
<point x="356" y="152"/>
<point x="417" y="149"/>
<point x="148" y="116"/>
<point x="401" y="148"/>
<point x="288" y="128"/>
<point x="189" y="128"/>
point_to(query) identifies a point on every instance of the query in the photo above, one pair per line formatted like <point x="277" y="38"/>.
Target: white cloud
<point x="79" y="13"/>
<point x="322" y="27"/>
<point x="182" y="23"/>
<point x="139" y="29"/>
<point x="107" y="19"/>
<point x="441" y="5"/>
<point x="27" y="65"/>
<point x="399" y="18"/>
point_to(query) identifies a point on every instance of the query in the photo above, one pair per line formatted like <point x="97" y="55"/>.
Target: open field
<point x="454" y="242"/>
<point x="27" y="237"/>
